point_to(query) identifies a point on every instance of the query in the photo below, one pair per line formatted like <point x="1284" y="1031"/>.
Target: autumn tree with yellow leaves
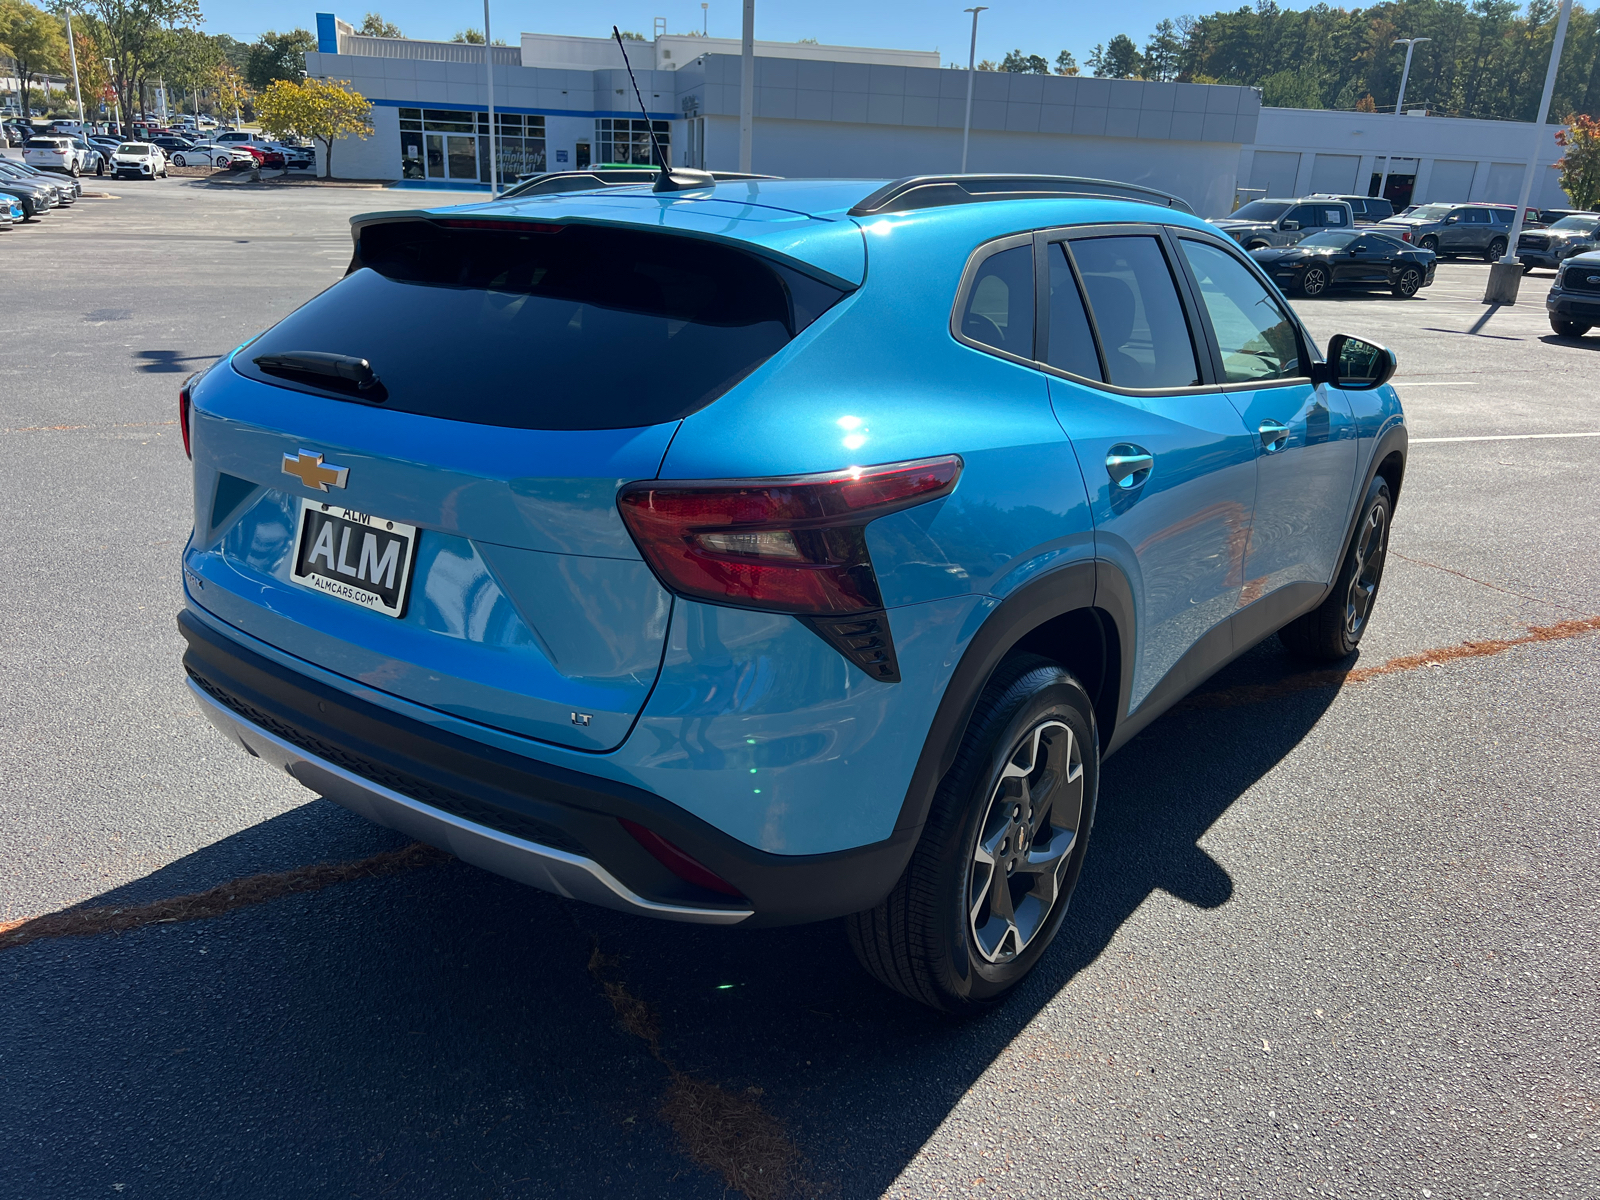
<point x="324" y="110"/>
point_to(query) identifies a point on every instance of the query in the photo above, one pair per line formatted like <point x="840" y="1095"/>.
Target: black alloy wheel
<point x="1315" y="281"/>
<point x="1572" y="329"/>
<point x="1406" y="286"/>
<point x="988" y="885"/>
<point x="1496" y="250"/>
<point x="1430" y="243"/>
<point x="1333" y="629"/>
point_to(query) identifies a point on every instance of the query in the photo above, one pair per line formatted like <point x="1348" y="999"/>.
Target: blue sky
<point x="1032" y="25"/>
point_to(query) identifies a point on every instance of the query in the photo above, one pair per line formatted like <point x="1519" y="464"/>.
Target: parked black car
<point x="1368" y="210"/>
<point x="1353" y="258"/>
<point x="1574" y="300"/>
<point x="37" y="195"/>
<point x="1575" y="234"/>
<point x="170" y="144"/>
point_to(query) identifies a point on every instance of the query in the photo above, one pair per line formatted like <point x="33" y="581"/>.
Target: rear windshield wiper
<point x="336" y="372"/>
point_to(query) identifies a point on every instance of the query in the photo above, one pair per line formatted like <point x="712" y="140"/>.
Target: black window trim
<point x="1200" y="331"/>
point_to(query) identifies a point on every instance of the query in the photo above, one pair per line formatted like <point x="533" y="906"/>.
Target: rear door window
<point x="1071" y="347"/>
<point x="1134" y="303"/>
<point x="541" y="326"/>
<point x="1333" y="217"/>
<point x="999" y="308"/>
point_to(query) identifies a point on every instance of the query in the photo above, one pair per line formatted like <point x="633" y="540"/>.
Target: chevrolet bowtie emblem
<point x="308" y="468"/>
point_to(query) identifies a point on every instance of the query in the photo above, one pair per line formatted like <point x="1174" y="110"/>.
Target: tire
<point x="179" y="161"/>
<point x="1496" y="250"/>
<point x="99" y="170"/>
<point x="1406" y="286"/>
<point x="1315" y="281"/>
<point x="1430" y="243"/>
<point x="1527" y="268"/>
<point x="1572" y="329"/>
<point x="943" y="936"/>
<point x="74" y="170"/>
<point x="1334" y="628"/>
<point x="1258" y="246"/>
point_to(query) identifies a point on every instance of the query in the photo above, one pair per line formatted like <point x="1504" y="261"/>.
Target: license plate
<point x="354" y="556"/>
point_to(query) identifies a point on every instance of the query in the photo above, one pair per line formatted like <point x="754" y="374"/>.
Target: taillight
<point x="794" y="544"/>
<point x="1406" y="234"/>
<point x="688" y="869"/>
<point x="183" y="414"/>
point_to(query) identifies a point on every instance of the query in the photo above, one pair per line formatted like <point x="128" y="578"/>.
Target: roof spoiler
<point x="938" y="191"/>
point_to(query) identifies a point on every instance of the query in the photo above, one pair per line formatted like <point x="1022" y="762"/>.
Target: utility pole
<point x="116" y="100"/>
<point x="747" y="88"/>
<point x="76" y="90"/>
<point x="1506" y="275"/>
<point x="972" y="61"/>
<point x="488" y="75"/>
<point x="1399" y="105"/>
<point x="705" y="20"/>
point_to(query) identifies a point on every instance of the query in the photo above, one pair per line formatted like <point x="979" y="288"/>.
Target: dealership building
<point x="561" y="103"/>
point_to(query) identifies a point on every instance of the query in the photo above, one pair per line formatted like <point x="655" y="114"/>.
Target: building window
<point x="448" y="145"/>
<point x="627" y="140"/>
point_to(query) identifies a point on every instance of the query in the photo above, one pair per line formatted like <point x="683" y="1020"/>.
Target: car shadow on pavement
<point x="1576" y="343"/>
<point x="170" y="362"/>
<point x="441" y="1032"/>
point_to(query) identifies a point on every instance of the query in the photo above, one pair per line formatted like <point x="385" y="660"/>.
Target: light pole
<point x="1410" y="44"/>
<point x="972" y="61"/>
<point x="488" y="75"/>
<point x="1506" y="274"/>
<point x="705" y="21"/>
<point x="116" y="99"/>
<point x="747" y="88"/>
<point x="76" y="90"/>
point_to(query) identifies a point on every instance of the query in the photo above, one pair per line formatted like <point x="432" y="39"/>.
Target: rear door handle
<point x="1129" y="465"/>
<point x="1274" y="436"/>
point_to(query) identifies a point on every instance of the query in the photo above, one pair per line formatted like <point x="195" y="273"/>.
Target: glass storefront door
<point x="446" y="145"/>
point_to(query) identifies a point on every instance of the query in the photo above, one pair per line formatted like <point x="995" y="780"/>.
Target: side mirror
<point x="1288" y="225"/>
<point x="1452" y="219"/>
<point x="1355" y="365"/>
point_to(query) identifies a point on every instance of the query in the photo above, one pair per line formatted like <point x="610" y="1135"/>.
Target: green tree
<point x="35" y="40"/>
<point x="1117" y="59"/>
<point x="1018" y="63"/>
<point x="1580" y="165"/>
<point x="1290" y="89"/>
<point x="275" y="56"/>
<point x="474" y="37"/>
<point x="187" y="61"/>
<point x="133" y="34"/>
<point x="373" y="25"/>
<point x="1162" y="52"/>
<point x="1066" y="64"/>
<point x="325" y="110"/>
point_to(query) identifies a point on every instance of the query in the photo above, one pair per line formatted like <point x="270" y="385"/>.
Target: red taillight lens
<point x="793" y="544"/>
<point x="183" y="415"/>
<point x="1406" y="233"/>
<point x="680" y="864"/>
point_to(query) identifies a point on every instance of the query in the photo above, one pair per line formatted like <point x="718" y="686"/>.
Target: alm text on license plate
<point x="354" y="556"/>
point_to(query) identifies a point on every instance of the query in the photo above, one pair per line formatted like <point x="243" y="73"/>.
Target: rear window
<point x="45" y="144"/>
<point x="542" y="327"/>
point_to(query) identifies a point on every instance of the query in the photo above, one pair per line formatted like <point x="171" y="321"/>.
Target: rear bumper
<point x="1539" y="258"/>
<point x="540" y="824"/>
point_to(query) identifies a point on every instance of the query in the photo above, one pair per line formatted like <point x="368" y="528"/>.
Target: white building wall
<point x="1453" y="158"/>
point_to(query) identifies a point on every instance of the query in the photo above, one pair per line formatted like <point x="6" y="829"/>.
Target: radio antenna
<point x="681" y="180"/>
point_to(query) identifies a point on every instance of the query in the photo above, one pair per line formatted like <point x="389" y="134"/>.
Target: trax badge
<point x="310" y="471"/>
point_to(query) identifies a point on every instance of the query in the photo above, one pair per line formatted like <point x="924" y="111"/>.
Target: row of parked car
<point x="1314" y="243"/>
<point x="96" y="154"/>
<point x="28" y="193"/>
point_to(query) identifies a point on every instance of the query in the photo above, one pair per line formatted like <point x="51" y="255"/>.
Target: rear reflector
<point x="680" y="864"/>
<point x="183" y="414"/>
<point x="794" y="544"/>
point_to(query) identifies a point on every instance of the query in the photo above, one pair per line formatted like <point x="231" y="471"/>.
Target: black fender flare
<point x="1090" y="584"/>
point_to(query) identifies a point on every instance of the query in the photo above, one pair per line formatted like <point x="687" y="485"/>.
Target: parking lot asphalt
<point x="1331" y="940"/>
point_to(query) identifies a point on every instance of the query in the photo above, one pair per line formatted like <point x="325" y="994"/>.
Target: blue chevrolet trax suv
<point x="776" y="550"/>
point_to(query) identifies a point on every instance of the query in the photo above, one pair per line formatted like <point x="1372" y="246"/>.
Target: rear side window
<point x="1136" y="311"/>
<point x="1333" y="217"/>
<point x="999" y="310"/>
<point x="543" y="327"/>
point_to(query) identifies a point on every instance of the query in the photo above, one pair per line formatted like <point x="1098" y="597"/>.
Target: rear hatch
<point x="471" y="396"/>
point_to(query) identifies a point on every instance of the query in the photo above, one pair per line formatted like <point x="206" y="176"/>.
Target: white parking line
<point x="1505" y="437"/>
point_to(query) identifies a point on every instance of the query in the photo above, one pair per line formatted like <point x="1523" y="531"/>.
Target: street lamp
<point x="76" y="90"/>
<point x="1410" y="44"/>
<point x="1506" y="274"/>
<point x="972" y="59"/>
<point x="488" y="76"/>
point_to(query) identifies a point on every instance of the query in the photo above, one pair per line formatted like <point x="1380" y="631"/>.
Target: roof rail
<point x="937" y="191"/>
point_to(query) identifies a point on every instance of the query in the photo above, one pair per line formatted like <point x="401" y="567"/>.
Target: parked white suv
<point x="55" y="154"/>
<point x="140" y="160"/>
